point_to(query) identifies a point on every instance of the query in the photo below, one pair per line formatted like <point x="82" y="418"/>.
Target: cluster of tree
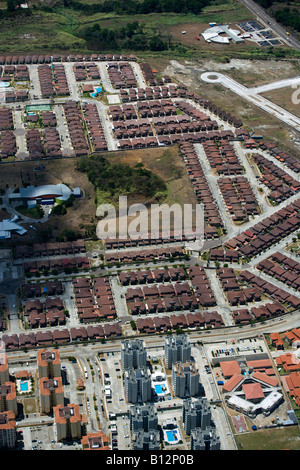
<point x="120" y="179"/>
<point x="11" y="5"/>
<point x="61" y="208"/>
<point x="130" y="36"/>
<point x="268" y="3"/>
<point x="288" y="17"/>
<point x="140" y="7"/>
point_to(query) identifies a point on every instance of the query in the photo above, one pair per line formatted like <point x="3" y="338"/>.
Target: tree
<point x="11" y="5"/>
<point x="157" y="44"/>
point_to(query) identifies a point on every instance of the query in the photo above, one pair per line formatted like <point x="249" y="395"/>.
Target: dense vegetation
<point x="120" y="179"/>
<point x="142" y="7"/>
<point x="131" y="36"/>
<point x="75" y="28"/>
<point x="126" y="7"/>
<point x="287" y="16"/>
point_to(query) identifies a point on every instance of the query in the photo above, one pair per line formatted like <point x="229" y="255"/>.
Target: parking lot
<point x="258" y="33"/>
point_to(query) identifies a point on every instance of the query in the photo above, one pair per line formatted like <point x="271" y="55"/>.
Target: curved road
<point x="252" y="95"/>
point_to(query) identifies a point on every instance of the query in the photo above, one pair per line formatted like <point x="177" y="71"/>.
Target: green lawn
<point x="270" y="439"/>
<point x="61" y="29"/>
<point x="34" y="213"/>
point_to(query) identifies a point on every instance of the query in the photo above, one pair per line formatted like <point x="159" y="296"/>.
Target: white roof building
<point x="45" y="193"/>
<point x="265" y="406"/>
<point x="7" y="226"/>
<point x="214" y="34"/>
<point x="59" y="191"/>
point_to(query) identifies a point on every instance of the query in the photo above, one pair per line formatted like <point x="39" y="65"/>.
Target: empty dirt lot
<point x="249" y="73"/>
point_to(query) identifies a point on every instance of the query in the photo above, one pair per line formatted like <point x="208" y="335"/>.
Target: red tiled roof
<point x="230" y="368"/>
<point x="253" y="391"/>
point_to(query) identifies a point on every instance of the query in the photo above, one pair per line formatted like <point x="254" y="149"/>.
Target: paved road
<point x="213" y="185"/>
<point x="287" y="82"/>
<point x="250" y="95"/>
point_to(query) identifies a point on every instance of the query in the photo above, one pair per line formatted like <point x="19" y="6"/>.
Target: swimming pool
<point x="158" y="389"/>
<point x="96" y="92"/>
<point x="24" y="386"/>
<point x="172" y="436"/>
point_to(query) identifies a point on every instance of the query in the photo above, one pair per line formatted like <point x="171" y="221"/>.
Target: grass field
<point x="62" y="28"/>
<point x="270" y="439"/>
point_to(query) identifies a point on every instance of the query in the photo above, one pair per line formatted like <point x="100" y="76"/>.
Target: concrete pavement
<point x="253" y="97"/>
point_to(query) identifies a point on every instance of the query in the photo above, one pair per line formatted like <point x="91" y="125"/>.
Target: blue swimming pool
<point x="172" y="436"/>
<point x="158" y="389"/>
<point x="24" y="386"/>
<point x="96" y="92"/>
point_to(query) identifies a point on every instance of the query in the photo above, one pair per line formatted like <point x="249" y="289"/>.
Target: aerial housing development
<point x="148" y="343"/>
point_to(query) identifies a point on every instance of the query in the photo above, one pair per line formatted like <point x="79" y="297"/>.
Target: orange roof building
<point x="260" y="364"/>
<point x="253" y="392"/>
<point x="4" y="373"/>
<point x="232" y="383"/>
<point x="289" y="362"/>
<point x="292" y="337"/>
<point x="8" y="435"/>
<point x="293" y="386"/>
<point x="276" y="340"/>
<point x="48" y="364"/>
<point x="23" y="375"/>
<point x="95" y="441"/>
<point x="51" y="393"/>
<point x="68" y="421"/>
<point x="265" y="378"/>
<point x="8" y="398"/>
<point x="230" y="368"/>
<point x="80" y="384"/>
